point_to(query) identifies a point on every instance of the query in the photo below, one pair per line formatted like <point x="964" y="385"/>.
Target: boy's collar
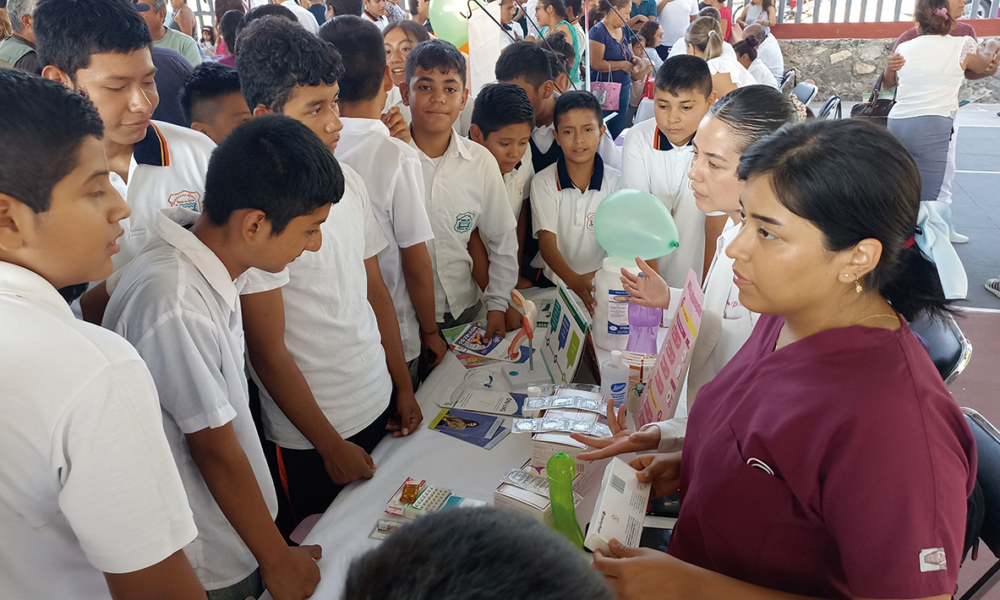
<point x="660" y="141"/>
<point x="28" y="284"/>
<point x="564" y="182"/>
<point x="152" y="150"/>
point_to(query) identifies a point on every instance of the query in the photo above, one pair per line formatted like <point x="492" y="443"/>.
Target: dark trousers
<point x="304" y="488"/>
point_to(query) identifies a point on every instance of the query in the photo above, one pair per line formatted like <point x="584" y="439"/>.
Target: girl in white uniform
<point x="704" y="40"/>
<point x="735" y="123"/>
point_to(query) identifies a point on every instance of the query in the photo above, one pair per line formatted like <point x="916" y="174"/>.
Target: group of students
<point x="329" y="237"/>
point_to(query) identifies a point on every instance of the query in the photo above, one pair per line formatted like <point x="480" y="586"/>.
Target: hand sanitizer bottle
<point x="614" y="379"/>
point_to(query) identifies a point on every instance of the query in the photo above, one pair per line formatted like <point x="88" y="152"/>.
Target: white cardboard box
<point x="620" y="510"/>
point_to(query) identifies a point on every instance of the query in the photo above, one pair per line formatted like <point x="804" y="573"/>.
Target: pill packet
<point x="560" y="424"/>
<point x="533" y="406"/>
<point x="534" y="483"/>
<point x="547" y="389"/>
<point x="384" y="528"/>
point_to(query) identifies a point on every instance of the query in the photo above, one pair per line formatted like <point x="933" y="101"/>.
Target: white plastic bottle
<point x="611" y="313"/>
<point x="614" y="379"/>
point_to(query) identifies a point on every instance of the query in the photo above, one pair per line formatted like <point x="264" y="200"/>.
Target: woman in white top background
<point x="761" y="12"/>
<point x="734" y="124"/>
<point x="930" y="69"/>
<point x="704" y="40"/>
<point x="746" y="53"/>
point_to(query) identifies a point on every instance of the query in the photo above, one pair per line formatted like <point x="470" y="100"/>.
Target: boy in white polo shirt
<point x="565" y="196"/>
<point x="101" y="48"/>
<point x="464" y="190"/>
<point x="270" y="186"/>
<point x="391" y="171"/>
<point x="534" y="69"/>
<point x="502" y="120"/>
<point x="657" y="157"/>
<point x="87" y="483"/>
<point x="322" y="337"/>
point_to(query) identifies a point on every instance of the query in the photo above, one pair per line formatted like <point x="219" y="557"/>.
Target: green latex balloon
<point x="631" y="223"/>
<point x="561" y="469"/>
<point x="448" y="24"/>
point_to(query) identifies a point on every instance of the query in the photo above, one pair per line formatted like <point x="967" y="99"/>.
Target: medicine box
<point x="620" y="510"/>
<point x="510" y="497"/>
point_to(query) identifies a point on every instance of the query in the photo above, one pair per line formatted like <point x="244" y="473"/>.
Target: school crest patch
<point x="186" y="199"/>
<point x="463" y="222"/>
<point x="590" y="221"/>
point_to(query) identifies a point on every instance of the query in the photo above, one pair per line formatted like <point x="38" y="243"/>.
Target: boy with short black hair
<point x="657" y="157"/>
<point x="88" y="484"/>
<point x="502" y="120"/>
<point x="464" y="191"/>
<point x="212" y="101"/>
<point x="322" y="337"/>
<point x="391" y="171"/>
<point x="339" y="8"/>
<point x="530" y="66"/>
<point x="101" y="48"/>
<point x="270" y="186"/>
<point x="565" y="196"/>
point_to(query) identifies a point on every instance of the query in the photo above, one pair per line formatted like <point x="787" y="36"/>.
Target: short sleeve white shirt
<point x="305" y="18"/>
<point x="463" y="191"/>
<point x="330" y="328"/>
<point x="518" y="183"/>
<point x="558" y="206"/>
<point x="762" y="74"/>
<point x="732" y="67"/>
<point x="675" y="18"/>
<point x="87" y="483"/>
<point x="167" y="170"/>
<point x="394" y="99"/>
<point x="654" y="165"/>
<point x="769" y="52"/>
<point x="179" y="307"/>
<point x="391" y="171"/>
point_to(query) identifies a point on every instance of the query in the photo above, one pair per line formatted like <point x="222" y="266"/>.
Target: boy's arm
<point x="580" y="283"/>
<point x="170" y="579"/>
<point x="388" y="326"/>
<point x="480" y="259"/>
<point x="94" y="302"/>
<point x="288" y="573"/>
<point x="498" y="223"/>
<point x="264" y="325"/>
<point x="419" y="275"/>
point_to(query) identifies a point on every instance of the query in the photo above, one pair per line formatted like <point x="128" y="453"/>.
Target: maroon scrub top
<point x="872" y="465"/>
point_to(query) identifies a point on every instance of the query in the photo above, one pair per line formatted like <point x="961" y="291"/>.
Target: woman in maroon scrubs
<point x="827" y="459"/>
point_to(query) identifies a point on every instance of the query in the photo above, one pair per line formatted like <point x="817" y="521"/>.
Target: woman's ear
<point x="864" y="257"/>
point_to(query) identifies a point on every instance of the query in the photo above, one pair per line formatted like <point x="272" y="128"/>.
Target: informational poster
<point x="564" y="341"/>
<point x="659" y="399"/>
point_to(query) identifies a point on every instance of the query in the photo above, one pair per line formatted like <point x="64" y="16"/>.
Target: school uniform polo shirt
<point x="518" y="183"/>
<point x="391" y="171"/>
<point x="464" y="191"/>
<point x="180" y="308"/>
<point x="330" y="328"/>
<point x="558" y="206"/>
<point x="167" y="170"/>
<point x="545" y="151"/>
<point x="652" y="164"/>
<point x="87" y="483"/>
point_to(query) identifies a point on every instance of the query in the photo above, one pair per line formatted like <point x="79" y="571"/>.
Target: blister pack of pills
<point x="544" y="425"/>
<point x="533" y="482"/>
<point x="432" y="499"/>
<point x="532" y="406"/>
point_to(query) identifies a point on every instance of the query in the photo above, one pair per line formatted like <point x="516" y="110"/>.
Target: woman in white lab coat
<point x="735" y="123"/>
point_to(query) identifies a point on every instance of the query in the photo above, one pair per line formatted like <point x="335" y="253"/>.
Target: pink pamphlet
<point x="659" y="399"/>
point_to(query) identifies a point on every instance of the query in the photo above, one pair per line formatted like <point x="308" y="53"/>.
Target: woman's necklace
<point x="875" y="317"/>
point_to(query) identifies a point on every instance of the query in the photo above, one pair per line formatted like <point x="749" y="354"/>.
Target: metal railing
<point x="861" y="11"/>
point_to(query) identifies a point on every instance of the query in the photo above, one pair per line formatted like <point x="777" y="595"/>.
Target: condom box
<point x="620" y="509"/>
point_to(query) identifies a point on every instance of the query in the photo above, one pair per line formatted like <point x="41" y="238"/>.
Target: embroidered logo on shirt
<point x="590" y="221"/>
<point x="933" y="559"/>
<point x="463" y="222"/>
<point x="186" y="199"/>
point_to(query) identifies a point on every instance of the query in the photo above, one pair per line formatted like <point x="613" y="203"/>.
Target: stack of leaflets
<point x="480" y="430"/>
<point x="473" y="349"/>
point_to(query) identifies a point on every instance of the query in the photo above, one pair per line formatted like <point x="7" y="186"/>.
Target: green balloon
<point x="631" y="223"/>
<point x="448" y="24"/>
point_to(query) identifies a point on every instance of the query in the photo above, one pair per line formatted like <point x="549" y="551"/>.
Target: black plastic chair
<point x="988" y="477"/>
<point x="950" y="350"/>
<point x="831" y="110"/>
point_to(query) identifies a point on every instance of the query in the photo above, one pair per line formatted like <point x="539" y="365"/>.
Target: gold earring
<point x="857" y="285"/>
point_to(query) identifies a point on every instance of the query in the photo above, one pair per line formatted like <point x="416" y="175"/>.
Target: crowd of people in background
<point x="228" y="251"/>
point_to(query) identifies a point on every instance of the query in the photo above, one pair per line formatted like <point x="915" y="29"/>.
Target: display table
<point x="442" y="461"/>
